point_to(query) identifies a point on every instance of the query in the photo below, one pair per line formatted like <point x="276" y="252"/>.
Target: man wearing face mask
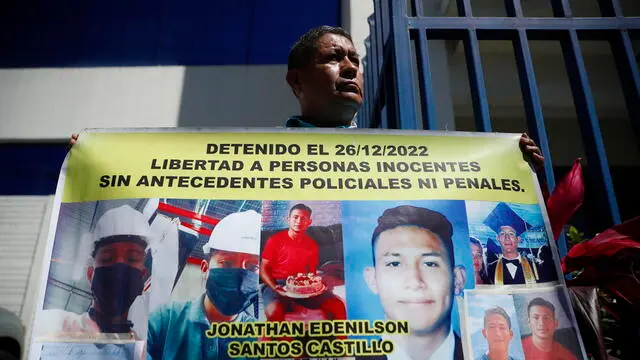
<point x="177" y="330"/>
<point x="116" y="275"/>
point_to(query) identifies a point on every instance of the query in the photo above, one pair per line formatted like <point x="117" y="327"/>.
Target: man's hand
<point x="72" y="141"/>
<point x="280" y="290"/>
<point x="531" y="152"/>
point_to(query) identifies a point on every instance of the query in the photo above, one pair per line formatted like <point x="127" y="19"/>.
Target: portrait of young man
<point x="492" y="328"/>
<point x="498" y="333"/>
<point x="548" y="331"/>
<point x="518" y="250"/>
<point x="414" y="277"/>
<point x="290" y="252"/>
<point x="541" y="345"/>
<point x="115" y="273"/>
<point x="178" y="329"/>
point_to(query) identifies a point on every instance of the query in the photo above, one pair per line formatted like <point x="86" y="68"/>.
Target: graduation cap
<point x="503" y="215"/>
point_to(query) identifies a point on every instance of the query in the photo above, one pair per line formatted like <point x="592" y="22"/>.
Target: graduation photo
<point x="510" y="244"/>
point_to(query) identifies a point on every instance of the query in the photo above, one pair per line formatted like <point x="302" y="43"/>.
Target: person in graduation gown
<point x="510" y="267"/>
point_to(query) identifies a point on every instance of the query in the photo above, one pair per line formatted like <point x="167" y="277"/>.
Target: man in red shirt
<point x="290" y="252"/>
<point x="543" y="323"/>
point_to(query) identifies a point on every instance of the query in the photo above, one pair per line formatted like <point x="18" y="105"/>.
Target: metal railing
<point x="390" y="99"/>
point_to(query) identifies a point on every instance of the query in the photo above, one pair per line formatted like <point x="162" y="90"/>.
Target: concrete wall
<point x="53" y="103"/>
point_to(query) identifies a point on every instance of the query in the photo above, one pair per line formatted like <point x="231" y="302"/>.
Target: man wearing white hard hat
<point x="116" y="274"/>
<point x="177" y="330"/>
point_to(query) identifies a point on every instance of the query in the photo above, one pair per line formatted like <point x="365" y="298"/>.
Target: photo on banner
<point x="408" y="260"/>
<point x="218" y="282"/>
<point x="541" y="322"/>
<point x="546" y="326"/>
<point x="492" y="328"/>
<point x="88" y="351"/>
<point x="302" y="258"/>
<point x="149" y="271"/>
<point x="163" y="250"/>
<point x="98" y="272"/>
<point x="510" y="244"/>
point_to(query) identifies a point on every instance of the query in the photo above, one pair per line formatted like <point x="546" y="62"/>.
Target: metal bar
<point x="390" y="118"/>
<point x="379" y="45"/>
<point x="629" y="75"/>
<point x="417" y="4"/>
<point x="533" y="110"/>
<point x="404" y="99"/>
<point x="532" y="105"/>
<point x="476" y="82"/>
<point x="561" y="8"/>
<point x="610" y="8"/>
<point x="511" y="23"/>
<point x="426" y="84"/>
<point x="514" y="8"/>
<point x="378" y="57"/>
<point x="370" y="93"/>
<point x="386" y="20"/>
<point x="372" y="59"/>
<point x="464" y="8"/>
<point x="363" y="113"/>
<point x="380" y="54"/>
<point x="589" y="125"/>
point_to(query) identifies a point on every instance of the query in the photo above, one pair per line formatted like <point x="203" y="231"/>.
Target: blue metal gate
<point x="390" y="98"/>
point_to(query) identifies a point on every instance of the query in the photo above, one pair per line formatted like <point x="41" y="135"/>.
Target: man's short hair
<point x="406" y="215"/>
<point x="300" y="207"/>
<point x="304" y="49"/>
<point x="496" y="310"/>
<point x="541" y="302"/>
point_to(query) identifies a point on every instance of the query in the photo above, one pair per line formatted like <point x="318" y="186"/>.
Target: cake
<point x="304" y="284"/>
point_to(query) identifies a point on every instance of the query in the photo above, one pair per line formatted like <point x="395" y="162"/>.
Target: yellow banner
<point x="305" y="165"/>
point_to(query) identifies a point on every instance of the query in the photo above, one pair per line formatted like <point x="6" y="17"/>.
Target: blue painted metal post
<point x="629" y="76"/>
<point x="531" y="99"/>
<point x="476" y="82"/>
<point x="404" y="99"/>
<point x="427" y="102"/>
<point x="589" y="125"/>
<point x="394" y="98"/>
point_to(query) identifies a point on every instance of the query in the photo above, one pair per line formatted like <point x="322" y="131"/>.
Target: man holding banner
<point x="178" y="330"/>
<point x="414" y="278"/>
<point x="325" y="76"/>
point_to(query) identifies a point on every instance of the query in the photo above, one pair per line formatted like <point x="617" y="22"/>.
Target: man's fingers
<point x="532" y="149"/>
<point x="527" y="142"/>
<point x="72" y="141"/>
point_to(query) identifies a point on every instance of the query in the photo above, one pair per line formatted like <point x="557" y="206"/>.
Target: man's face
<point x="299" y="220"/>
<point x="508" y="239"/>
<point x="333" y="78"/>
<point x="497" y="332"/>
<point x="222" y="259"/>
<point x="128" y="253"/>
<point x="542" y="322"/>
<point x="476" y="254"/>
<point x="413" y="278"/>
